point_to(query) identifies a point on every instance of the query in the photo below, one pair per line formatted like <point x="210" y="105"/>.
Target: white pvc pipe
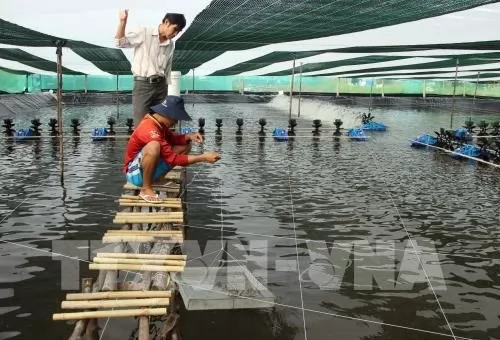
<point x="174" y="89"/>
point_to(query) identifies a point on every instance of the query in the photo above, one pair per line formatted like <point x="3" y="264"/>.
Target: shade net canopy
<point x="235" y="25"/>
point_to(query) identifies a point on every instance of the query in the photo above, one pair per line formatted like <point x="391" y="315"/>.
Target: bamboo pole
<point x="143" y="333"/>
<point x="163" y="200"/>
<point x="140" y="261"/>
<point x="131" y="238"/>
<point x="59" y="45"/>
<point x="81" y="325"/>
<point x="111" y="276"/>
<point x="110" y="314"/>
<point x="83" y="304"/>
<point x="135" y="267"/>
<point x="477" y="82"/>
<point x="118" y="295"/>
<point x="133" y="203"/>
<point x="143" y="256"/>
<point x="156" y="187"/>
<point x="454" y="91"/>
<point x="143" y="220"/>
<point x="145" y="232"/>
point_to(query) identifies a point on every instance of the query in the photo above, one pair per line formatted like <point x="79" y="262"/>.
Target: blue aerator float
<point x="423" y="140"/>
<point x="280" y="134"/>
<point x="467" y="150"/>
<point x="357" y="134"/>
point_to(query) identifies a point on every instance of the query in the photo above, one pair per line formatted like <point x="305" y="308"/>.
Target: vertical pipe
<point x="371" y="91"/>
<point x="117" y="99"/>
<point x="85" y="84"/>
<point x="454" y="91"/>
<point x="338" y="86"/>
<point x="477" y="81"/>
<point x="59" y="45"/>
<point x="291" y="89"/>
<point x="300" y="88"/>
<point x="383" y="94"/>
<point x="463" y="87"/>
<point x="424" y="89"/>
<point x="27" y="84"/>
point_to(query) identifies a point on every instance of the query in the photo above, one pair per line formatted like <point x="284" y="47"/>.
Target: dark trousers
<point x="145" y="95"/>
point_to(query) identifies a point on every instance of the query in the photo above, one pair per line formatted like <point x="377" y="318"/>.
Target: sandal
<point x="150" y="198"/>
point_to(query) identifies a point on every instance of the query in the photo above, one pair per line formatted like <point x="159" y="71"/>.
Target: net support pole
<point x="477" y="82"/>
<point x="85" y="84"/>
<point x="59" y="45"/>
<point x="338" y="86"/>
<point x="454" y="92"/>
<point x="371" y="92"/>
<point x="383" y="94"/>
<point x="27" y="83"/>
<point x="117" y="98"/>
<point x="193" y="80"/>
<point x="300" y="89"/>
<point x="291" y="89"/>
<point x="424" y="89"/>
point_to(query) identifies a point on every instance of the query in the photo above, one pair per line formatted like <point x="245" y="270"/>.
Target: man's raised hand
<point x="123" y="15"/>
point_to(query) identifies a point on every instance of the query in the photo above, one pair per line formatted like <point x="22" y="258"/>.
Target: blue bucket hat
<point x="172" y="107"/>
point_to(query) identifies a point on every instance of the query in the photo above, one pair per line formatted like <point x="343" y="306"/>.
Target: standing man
<point x="152" y="63"/>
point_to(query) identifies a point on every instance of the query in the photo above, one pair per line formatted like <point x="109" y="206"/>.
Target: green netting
<point x="430" y="65"/>
<point x="235" y="25"/>
<point x="16" y="83"/>
<point x="265" y="60"/>
<point x="12" y="81"/>
<point x="311" y="67"/>
<point x="276" y="57"/>
<point x="16" y="54"/>
<point x="111" y="60"/>
<point x="421" y="73"/>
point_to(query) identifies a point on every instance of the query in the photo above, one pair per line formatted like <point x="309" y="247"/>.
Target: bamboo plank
<point x="83" y="304"/>
<point x="133" y="203"/>
<point x="118" y="295"/>
<point x="151" y="214"/>
<point x="164" y="199"/>
<point x="143" y="256"/>
<point x="139" y="261"/>
<point x="142" y="220"/>
<point x="110" y="314"/>
<point x="169" y="187"/>
<point x="135" y="267"/>
<point x="138" y="238"/>
<point x="145" y="232"/>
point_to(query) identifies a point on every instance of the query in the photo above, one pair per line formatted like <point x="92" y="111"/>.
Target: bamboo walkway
<point x="134" y="278"/>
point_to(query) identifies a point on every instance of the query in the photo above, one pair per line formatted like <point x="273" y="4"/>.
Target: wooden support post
<point x="59" y="45"/>
<point x="81" y="325"/>
<point x="300" y="89"/>
<point x="291" y="89"/>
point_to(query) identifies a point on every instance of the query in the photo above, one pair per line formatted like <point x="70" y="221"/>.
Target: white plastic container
<point x="174" y="89"/>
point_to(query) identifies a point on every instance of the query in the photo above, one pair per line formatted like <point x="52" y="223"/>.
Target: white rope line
<point x="297" y="251"/>
<point x="410" y="239"/>
<point x="456" y="153"/>
<point x="332" y="246"/>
